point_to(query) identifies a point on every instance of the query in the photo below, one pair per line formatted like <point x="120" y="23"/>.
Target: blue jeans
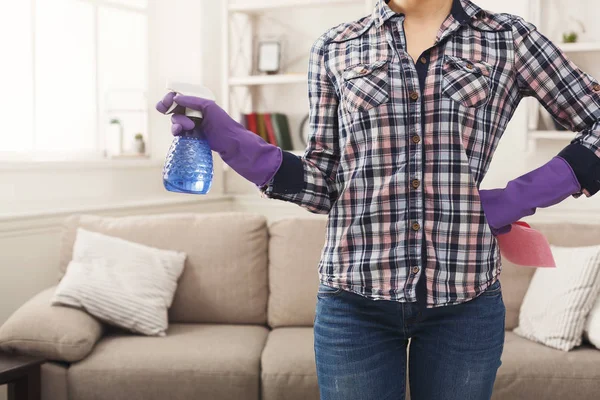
<point x="361" y="347"/>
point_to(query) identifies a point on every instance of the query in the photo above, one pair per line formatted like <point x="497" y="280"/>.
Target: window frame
<point x="33" y="156"/>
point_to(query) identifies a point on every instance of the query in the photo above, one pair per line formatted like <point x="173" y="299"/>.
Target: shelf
<point x="281" y="79"/>
<point x="580" y="47"/>
<point x="552" y="135"/>
<point x="282" y="4"/>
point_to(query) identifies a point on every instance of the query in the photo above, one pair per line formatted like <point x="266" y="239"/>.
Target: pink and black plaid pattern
<point x="399" y="147"/>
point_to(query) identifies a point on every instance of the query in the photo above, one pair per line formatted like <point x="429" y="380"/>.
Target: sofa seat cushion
<point x="533" y="371"/>
<point x="288" y="365"/>
<point x="195" y="361"/>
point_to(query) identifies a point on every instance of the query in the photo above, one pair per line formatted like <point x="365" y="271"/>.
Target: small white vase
<point x="139" y="146"/>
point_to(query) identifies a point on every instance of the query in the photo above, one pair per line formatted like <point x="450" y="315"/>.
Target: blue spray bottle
<point x="189" y="164"/>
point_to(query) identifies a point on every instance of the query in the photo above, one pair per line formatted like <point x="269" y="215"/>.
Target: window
<point x="73" y="77"/>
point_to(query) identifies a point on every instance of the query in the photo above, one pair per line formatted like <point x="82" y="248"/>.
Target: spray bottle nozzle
<point x="189" y="89"/>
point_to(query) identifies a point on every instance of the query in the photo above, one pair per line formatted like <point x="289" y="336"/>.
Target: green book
<point x="281" y="127"/>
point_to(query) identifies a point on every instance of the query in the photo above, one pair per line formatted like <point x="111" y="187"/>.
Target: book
<point x="251" y="120"/>
<point x="281" y="128"/>
<point x="260" y="124"/>
<point x="270" y="130"/>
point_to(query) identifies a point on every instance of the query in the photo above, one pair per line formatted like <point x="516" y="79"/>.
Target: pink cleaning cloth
<point x="526" y="247"/>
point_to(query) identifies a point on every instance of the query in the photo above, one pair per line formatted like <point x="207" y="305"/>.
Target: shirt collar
<point x="463" y="11"/>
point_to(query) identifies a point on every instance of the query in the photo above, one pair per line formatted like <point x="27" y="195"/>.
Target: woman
<point x="407" y="106"/>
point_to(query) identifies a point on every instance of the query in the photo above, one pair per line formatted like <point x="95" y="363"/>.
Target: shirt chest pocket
<point x="465" y="81"/>
<point x="365" y="86"/>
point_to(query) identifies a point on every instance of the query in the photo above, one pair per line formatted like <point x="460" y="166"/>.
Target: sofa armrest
<point x="56" y="333"/>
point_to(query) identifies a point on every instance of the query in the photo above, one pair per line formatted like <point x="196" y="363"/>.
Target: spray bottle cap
<point x="189" y="89"/>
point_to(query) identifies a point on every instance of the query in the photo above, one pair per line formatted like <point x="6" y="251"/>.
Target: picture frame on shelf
<point x="268" y="56"/>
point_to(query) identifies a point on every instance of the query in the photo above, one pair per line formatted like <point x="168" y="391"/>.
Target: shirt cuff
<point x="289" y="178"/>
<point x="585" y="164"/>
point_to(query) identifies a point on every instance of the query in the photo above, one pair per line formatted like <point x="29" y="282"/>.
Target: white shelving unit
<point x="241" y="90"/>
<point x="260" y="80"/>
<point x="552" y="135"/>
<point x="258" y="6"/>
<point x="580" y="47"/>
<point x="534" y="122"/>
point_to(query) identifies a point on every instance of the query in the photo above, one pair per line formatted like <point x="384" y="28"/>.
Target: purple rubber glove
<point x="543" y="187"/>
<point x="244" y="151"/>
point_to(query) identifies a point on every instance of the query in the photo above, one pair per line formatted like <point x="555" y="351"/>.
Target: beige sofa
<point x="241" y="321"/>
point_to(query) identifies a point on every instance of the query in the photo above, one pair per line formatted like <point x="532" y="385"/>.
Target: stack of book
<point x="273" y="128"/>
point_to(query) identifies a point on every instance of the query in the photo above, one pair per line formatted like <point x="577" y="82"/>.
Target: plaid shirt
<point x="398" y="147"/>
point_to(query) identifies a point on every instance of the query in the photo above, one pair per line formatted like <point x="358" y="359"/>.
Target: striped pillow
<point x="122" y="283"/>
<point x="559" y="299"/>
<point x="592" y="325"/>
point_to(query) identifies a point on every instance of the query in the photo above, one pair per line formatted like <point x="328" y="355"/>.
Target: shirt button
<point x="416" y="139"/>
<point x="469" y="66"/>
<point x="416" y="226"/>
<point x="596" y="87"/>
<point x="363" y="71"/>
<point x="415" y="270"/>
<point x="423" y="60"/>
<point x="414" y="96"/>
<point x="416" y="183"/>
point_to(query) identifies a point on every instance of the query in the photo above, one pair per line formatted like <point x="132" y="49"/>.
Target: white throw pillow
<point x="122" y="283"/>
<point x="558" y="300"/>
<point x="592" y="325"/>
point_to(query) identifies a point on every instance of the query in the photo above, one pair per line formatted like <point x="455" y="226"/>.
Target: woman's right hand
<point x="214" y="117"/>
<point x="244" y="151"/>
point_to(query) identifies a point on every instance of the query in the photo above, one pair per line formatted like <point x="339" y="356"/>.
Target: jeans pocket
<point x="328" y="291"/>
<point x="494" y="289"/>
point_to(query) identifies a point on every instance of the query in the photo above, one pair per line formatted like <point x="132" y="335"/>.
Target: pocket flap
<point x="475" y="67"/>
<point x="359" y="70"/>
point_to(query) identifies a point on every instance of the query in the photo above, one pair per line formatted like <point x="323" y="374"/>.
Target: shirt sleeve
<point x="569" y="94"/>
<point x="309" y="181"/>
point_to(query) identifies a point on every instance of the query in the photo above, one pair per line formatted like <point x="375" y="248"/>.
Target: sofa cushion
<point x="515" y="279"/>
<point x="55" y="333"/>
<point x="592" y="325"/>
<point x="533" y="371"/>
<point x="515" y="282"/>
<point x="288" y="365"/>
<point x="120" y="282"/>
<point x="225" y="274"/>
<point x="570" y="235"/>
<point x="194" y="361"/>
<point x="559" y="299"/>
<point x="295" y="247"/>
